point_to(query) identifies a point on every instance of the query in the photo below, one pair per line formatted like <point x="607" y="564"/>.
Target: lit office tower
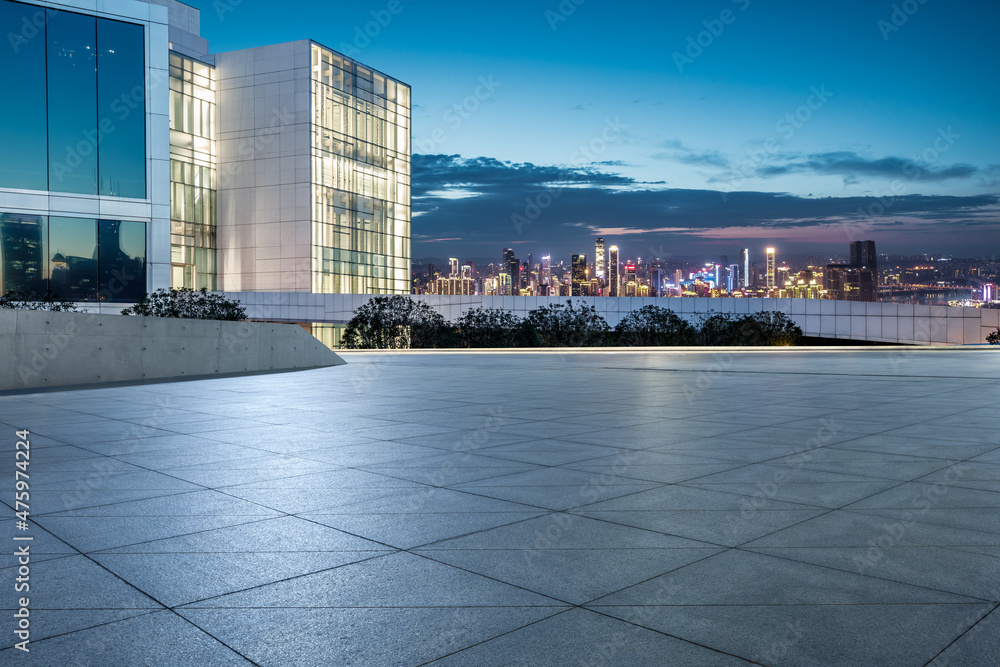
<point x="733" y="278"/>
<point x="599" y="265"/>
<point x="579" y="274"/>
<point x="746" y="267"/>
<point x="613" y="278"/>
<point x="656" y="275"/>
<point x="863" y="255"/>
<point x="512" y="269"/>
<point x="545" y="276"/>
<point x="453" y="266"/>
<point x="770" y="268"/>
<point x="631" y="287"/>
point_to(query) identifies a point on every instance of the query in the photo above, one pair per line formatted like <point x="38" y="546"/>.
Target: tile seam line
<point x="967" y="630"/>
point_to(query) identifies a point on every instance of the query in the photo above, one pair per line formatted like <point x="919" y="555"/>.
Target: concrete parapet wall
<point x="46" y="349"/>
<point x="852" y="320"/>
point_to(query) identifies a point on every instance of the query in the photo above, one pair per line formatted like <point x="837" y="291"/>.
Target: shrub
<point x="994" y="338"/>
<point x="652" y="326"/>
<point x="773" y="328"/>
<point x="764" y="328"/>
<point x="491" y="327"/>
<point x="32" y="300"/>
<point x="566" y="326"/>
<point x="396" y="322"/>
<point x="187" y="303"/>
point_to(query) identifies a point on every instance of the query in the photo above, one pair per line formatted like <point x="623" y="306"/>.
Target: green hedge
<point x="400" y="322"/>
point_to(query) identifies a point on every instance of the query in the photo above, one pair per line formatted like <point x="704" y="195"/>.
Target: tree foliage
<point x="994" y="338"/>
<point x="654" y="326"/>
<point x="491" y="327"/>
<point x="31" y="300"/>
<point x="567" y="325"/>
<point x="396" y="322"/>
<point x="189" y="304"/>
<point x="763" y="328"/>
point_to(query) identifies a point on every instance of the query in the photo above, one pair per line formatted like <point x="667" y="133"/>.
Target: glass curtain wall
<point x="75" y="120"/>
<point x="23" y="134"/>
<point x="361" y="178"/>
<point x="80" y="259"/>
<point x="192" y="174"/>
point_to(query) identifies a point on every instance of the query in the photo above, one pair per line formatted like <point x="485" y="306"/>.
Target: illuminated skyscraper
<point x="579" y="274"/>
<point x="613" y="278"/>
<point x="545" y="278"/>
<point x="599" y="264"/>
<point x="631" y="283"/>
<point x="656" y="276"/>
<point x="453" y="267"/>
<point x="733" y="278"/>
<point x="513" y="270"/>
<point x="746" y="267"/>
<point x="770" y="269"/>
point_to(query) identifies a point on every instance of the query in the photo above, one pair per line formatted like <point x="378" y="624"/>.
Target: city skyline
<point x="692" y="127"/>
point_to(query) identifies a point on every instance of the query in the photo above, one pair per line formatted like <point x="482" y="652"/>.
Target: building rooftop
<point x="713" y="508"/>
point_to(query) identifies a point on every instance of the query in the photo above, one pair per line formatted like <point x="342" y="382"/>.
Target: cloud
<point x="678" y="152"/>
<point x="554" y="209"/>
<point x="853" y="166"/>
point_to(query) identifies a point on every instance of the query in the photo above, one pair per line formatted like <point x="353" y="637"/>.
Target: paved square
<point x="792" y="507"/>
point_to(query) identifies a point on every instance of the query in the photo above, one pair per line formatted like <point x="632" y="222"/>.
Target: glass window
<point x="22" y="251"/>
<point x="122" y="260"/>
<point x="121" y="108"/>
<point x="23" y="143"/>
<point x="73" y="258"/>
<point x="72" y="102"/>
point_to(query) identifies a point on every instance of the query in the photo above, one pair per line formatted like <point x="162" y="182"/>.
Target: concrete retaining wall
<point x="45" y="349"/>
<point x="853" y="320"/>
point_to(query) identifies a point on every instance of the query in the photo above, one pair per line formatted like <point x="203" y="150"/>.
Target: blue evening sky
<point x="706" y="126"/>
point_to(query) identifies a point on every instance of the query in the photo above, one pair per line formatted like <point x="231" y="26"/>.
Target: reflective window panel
<point x="121" y="109"/>
<point x="22" y="253"/>
<point x="72" y="102"/>
<point x="23" y="162"/>
<point x="73" y="258"/>
<point x="122" y="260"/>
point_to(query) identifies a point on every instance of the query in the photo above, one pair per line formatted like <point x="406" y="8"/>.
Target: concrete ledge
<point x="45" y="349"/>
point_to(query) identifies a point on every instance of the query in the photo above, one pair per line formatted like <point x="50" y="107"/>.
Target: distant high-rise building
<point x="503" y="284"/>
<point x="545" y="278"/>
<point x="733" y="278"/>
<point x="863" y="255"/>
<point x="770" y="269"/>
<point x="989" y="292"/>
<point x="579" y="274"/>
<point x="453" y="267"/>
<point x="746" y="267"/>
<point x="857" y="281"/>
<point x="850" y="283"/>
<point x="629" y="278"/>
<point x="656" y="276"/>
<point x="678" y="279"/>
<point x="513" y="270"/>
<point x="599" y="263"/>
<point x="613" y="277"/>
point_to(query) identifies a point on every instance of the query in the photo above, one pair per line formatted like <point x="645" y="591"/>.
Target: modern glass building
<point x="81" y="204"/>
<point x="135" y="159"/>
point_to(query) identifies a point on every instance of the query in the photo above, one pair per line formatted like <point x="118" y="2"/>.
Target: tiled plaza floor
<point x="784" y="508"/>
